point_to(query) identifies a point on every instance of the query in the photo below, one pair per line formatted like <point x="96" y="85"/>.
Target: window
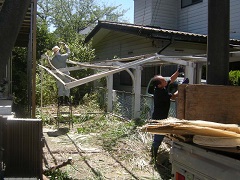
<point x="186" y="3"/>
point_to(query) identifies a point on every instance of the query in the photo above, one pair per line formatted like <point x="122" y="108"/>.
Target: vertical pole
<point x="199" y="73"/>
<point x="110" y="93"/>
<point x="137" y="91"/>
<point x="41" y="102"/>
<point x="190" y="72"/>
<point x="34" y="53"/>
<point x="218" y="42"/>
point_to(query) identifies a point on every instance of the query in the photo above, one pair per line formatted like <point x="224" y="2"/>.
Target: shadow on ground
<point x="59" y="132"/>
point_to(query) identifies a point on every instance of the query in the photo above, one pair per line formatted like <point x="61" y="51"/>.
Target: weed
<point x="57" y="174"/>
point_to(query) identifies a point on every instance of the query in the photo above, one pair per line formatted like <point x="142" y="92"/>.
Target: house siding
<point x="121" y="45"/>
<point x="235" y="19"/>
<point x="164" y="14"/>
<point x="142" y="12"/>
<point x="156" y="13"/>
<point x="193" y="18"/>
<point x="168" y="14"/>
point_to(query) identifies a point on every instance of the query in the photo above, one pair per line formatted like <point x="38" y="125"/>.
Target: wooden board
<point x="181" y="101"/>
<point x="187" y="127"/>
<point x="216" y="141"/>
<point x="211" y="103"/>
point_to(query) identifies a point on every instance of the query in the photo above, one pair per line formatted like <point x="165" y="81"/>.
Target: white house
<point x="167" y="27"/>
<point x="182" y="15"/>
<point x="156" y="22"/>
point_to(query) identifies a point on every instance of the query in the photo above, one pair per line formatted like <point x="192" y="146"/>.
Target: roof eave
<point x="150" y="32"/>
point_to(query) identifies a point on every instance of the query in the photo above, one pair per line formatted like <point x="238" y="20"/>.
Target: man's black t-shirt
<point x="161" y="103"/>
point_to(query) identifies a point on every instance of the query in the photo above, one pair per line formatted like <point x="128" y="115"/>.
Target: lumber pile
<point x="205" y="133"/>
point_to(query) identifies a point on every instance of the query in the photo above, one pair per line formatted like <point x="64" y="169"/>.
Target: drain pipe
<point x="161" y="50"/>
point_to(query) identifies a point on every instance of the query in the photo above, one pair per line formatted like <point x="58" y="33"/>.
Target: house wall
<point x="121" y="45"/>
<point x="156" y="13"/>
<point x="143" y="12"/>
<point x="235" y="19"/>
<point x="194" y="18"/>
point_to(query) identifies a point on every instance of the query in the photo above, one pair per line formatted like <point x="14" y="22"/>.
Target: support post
<point x="137" y="91"/>
<point x="218" y="42"/>
<point x="110" y="93"/>
<point x="198" y="73"/>
<point x="190" y="72"/>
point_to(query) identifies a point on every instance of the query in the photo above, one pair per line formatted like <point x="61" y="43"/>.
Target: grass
<point x="120" y="138"/>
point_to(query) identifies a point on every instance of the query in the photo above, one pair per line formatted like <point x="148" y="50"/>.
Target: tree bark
<point x="11" y="17"/>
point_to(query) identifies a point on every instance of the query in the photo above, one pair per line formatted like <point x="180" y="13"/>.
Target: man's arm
<point x="67" y="50"/>
<point x="175" y="75"/>
<point x="174" y="96"/>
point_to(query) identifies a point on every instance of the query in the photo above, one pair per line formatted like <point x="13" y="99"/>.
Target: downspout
<point x="161" y="50"/>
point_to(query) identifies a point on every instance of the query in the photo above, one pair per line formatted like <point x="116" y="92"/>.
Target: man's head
<point x="159" y="81"/>
<point x="55" y="49"/>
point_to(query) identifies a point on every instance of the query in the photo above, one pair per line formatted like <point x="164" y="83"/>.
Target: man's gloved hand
<point x="180" y="69"/>
<point x="185" y="81"/>
<point x="64" y="44"/>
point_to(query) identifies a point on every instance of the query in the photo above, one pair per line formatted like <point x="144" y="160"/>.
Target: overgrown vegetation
<point x="57" y="174"/>
<point x="234" y="78"/>
<point x="54" y="25"/>
<point x="112" y="132"/>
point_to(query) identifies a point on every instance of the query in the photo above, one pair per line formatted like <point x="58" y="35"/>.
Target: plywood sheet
<point x="212" y="103"/>
<point x="216" y="141"/>
<point x="181" y="101"/>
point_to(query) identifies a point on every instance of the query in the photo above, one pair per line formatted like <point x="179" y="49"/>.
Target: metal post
<point x="218" y="42"/>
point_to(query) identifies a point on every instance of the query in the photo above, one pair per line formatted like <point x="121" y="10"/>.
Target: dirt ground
<point x="129" y="159"/>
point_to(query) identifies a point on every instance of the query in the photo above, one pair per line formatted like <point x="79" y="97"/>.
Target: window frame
<point x="190" y="4"/>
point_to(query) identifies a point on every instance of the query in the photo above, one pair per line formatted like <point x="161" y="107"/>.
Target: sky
<point x="126" y="5"/>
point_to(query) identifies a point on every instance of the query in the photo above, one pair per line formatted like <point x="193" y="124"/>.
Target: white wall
<point x="193" y="18"/>
<point x="168" y="14"/>
<point x="142" y="12"/>
<point x="119" y="44"/>
<point x="164" y="13"/>
<point x="235" y="19"/>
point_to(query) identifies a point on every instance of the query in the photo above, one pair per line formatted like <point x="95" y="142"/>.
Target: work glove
<point x="62" y="43"/>
<point x="180" y="69"/>
<point x="185" y="81"/>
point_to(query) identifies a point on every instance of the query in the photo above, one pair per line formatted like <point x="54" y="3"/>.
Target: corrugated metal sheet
<point x="23" y="148"/>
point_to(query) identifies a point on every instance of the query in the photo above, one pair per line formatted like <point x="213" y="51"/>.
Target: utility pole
<point x="218" y="42"/>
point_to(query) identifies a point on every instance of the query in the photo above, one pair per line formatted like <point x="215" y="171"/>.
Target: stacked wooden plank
<point x="202" y="132"/>
<point x="216" y="106"/>
<point x="194" y="127"/>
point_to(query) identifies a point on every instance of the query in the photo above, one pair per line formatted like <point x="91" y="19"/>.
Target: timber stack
<point x="207" y="115"/>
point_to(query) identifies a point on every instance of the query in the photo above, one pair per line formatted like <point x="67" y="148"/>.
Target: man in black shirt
<point x="162" y="104"/>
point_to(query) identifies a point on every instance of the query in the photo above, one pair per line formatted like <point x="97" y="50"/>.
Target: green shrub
<point x="234" y="78"/>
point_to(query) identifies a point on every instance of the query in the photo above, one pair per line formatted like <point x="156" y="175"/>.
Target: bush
<point x="234" y="78"/>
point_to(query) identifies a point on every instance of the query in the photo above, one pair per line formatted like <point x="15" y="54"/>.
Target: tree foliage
<point x="69" y="16"/>
<point x="234" y="78"/>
